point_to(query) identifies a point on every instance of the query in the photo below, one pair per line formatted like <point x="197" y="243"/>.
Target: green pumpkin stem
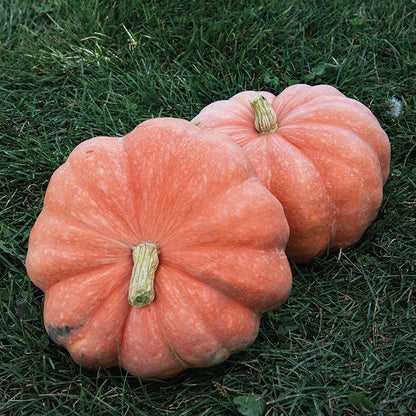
<point x="265" y="118"/>
<point x="145" y="262"/>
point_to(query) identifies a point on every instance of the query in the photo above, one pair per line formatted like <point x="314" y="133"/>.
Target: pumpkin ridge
<point x="221" y="284"/>
<point x="294" y="212"/>
<point x="53" y="252"/>
<point x="165" y="336"/>
<point x="221" y="346"/>
<point x="382" y="153"/>
<point x="163" y="331"/>
<point x="80" y="325"/>
<point x="125" y="319"/>
<point x="124" y="351"/>
<point x="155" y="308"/>
<point x="280" y="106"/>
<point x="317" y="103"/>
<point x="168" y="201"/>
<point x="271" y="154"/>
<point x="336" y="102"/>
<point x="93" y="230"/>
<point x="340" y="161"/>
<point x="104" y="200"/>
<point x="91" y="269"/>
<point x="196" y="214"/>
<point x="230" y="109"/>
<point x="133" y="190"/>
<point x="122" y="316"/>
<point x="289" y="138"/>
<point x="358" y="139"/>
<point x="183" y="269"/>
<point x="83" y="276"/>
<point x="284" y="105"/>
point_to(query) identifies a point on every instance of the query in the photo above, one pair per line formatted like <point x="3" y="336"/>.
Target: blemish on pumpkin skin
<point x="57" y="333"/>
<point x="219" y="356"/>
<point x="178" y="359"/>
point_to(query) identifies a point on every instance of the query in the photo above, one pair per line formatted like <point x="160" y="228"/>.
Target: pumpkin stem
<point x="265" y="118"/>
<point x="145" y="262"/>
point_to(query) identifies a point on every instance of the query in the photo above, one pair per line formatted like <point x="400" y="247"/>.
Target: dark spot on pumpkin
<point x="57" y="333"/>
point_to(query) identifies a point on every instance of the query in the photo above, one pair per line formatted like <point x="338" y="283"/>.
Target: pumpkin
<point x="158" y="251"/>
<point x="323" y="155"/>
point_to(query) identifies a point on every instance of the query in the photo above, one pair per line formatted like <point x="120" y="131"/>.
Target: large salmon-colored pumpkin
<point x="168" y="202"/>
<point x="323" y="155"/>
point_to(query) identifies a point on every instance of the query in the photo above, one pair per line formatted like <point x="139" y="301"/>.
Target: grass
<point x="345" y="342"/>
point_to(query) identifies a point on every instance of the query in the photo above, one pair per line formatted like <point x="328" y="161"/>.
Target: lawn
<point x="345" y="342"/>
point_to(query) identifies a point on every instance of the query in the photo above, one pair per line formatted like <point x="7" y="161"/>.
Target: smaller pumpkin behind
<point x="323" y="155"/>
